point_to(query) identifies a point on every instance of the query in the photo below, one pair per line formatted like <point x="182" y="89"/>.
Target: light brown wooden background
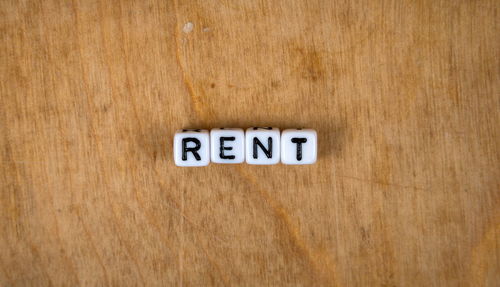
<point x="405" y="96"/>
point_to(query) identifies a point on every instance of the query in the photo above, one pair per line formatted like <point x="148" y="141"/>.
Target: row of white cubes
<point x="256" y="145"/>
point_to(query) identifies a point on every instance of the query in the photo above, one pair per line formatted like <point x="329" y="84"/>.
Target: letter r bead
<point x="192" y="148"/>
<point x="299" y="146"/>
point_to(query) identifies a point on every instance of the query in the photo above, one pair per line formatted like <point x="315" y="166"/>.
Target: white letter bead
<point x="192" y="147"/>
<point x="262" y="145"/>
<point x="227" y="145"/>
<point x="299" y="146"/>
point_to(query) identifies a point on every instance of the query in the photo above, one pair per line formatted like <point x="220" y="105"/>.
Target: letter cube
<point x="227" y="145"/>
<point x="192" y="147"/>
<point x="262" y="145"/>
<point x="299" y="146"/>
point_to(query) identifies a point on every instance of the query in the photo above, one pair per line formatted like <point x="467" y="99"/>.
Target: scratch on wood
<point x="195" y="99"/>
<point x="127" y="247"/>
<point x="91" y="243"/>
<point x="482" y="252"/>
<point x="181" y="249"/>
<point x="321" y="263"/>
<point x="380" y="182"/>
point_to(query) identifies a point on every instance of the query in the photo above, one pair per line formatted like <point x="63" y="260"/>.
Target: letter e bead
<point x="227" y="145"/>
<point x="192" y="148"/>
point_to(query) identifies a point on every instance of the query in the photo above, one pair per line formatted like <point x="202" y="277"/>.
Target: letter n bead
<point x="299" y="146"/>
<point x="192" y="148"/>
<point x="227" y="145"/>
<point x="262" y="145"/>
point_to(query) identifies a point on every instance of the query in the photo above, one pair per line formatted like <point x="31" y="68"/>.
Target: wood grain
<point x="405" y="96"/>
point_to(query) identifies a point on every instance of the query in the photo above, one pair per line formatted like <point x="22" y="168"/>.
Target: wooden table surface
<point x="404" y="95"/>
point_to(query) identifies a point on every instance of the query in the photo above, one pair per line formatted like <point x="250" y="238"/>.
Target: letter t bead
<point x="299" y="146"/>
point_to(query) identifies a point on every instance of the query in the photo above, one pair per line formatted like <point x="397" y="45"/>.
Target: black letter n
<point x="268" y="152"/>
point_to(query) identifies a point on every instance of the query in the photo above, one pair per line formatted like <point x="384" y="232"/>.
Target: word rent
<point x="256" y="145"/>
